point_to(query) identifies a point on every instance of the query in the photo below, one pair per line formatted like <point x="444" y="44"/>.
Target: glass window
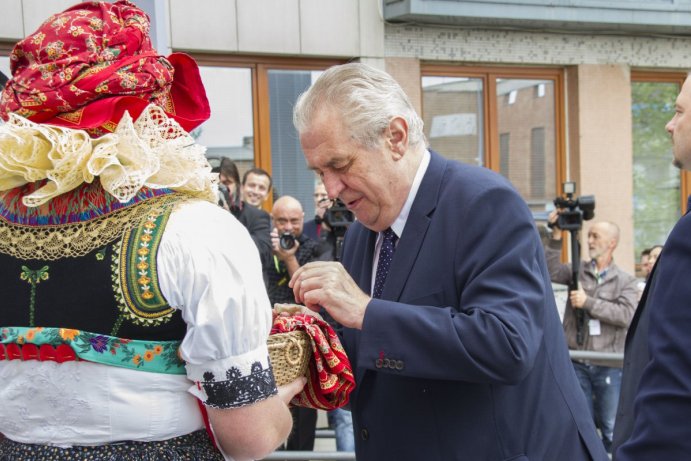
<point x="503" y="119"/>
<point x="656" y="182"/>
<point x="229" y="132"/>
<point x="528" y="121"/>
<point x="5" y="66"/>
<point x="289" y="170"/>
<point x="453" y="115"/>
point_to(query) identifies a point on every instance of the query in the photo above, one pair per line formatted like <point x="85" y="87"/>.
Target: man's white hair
<point x="366" y="99"/>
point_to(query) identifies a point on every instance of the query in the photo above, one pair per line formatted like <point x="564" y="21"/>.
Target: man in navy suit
<point x="462" y="355"/>
<point x="655" y="400"/>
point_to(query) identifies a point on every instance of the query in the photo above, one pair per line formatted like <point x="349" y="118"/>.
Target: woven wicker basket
<point x="290" y="354"/>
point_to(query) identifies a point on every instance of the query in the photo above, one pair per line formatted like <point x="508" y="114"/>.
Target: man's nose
<point x="670" y="125"/>
<point x="334" y="186"/>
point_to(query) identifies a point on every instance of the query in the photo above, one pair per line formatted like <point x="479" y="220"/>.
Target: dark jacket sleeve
<point x="258" y="224"/>
<point x="558" y="271"/>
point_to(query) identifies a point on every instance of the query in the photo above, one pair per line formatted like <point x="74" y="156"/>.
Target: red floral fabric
<point x="330" y="379"/>
<point x="85" y="66"/>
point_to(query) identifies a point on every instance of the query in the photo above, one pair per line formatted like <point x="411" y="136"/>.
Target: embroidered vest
<point x="86" y="286"/>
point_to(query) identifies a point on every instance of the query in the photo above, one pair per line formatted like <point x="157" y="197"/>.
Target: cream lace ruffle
<point x="153" y="151"/>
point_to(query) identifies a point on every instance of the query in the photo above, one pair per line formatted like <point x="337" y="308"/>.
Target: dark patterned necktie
<point x="388" y="245"/>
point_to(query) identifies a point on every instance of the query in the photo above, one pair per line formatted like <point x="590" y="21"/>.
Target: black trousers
<point x="304" y="424"/>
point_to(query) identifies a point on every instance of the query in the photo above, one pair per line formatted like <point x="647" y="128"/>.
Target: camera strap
<point x="280" y="270"/>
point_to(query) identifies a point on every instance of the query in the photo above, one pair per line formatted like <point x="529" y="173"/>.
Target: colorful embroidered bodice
<point x="101" y="296"/>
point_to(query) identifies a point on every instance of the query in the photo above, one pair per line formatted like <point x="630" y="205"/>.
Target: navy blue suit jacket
<point x="657" y="360"/>
<point x="464" y="356"/>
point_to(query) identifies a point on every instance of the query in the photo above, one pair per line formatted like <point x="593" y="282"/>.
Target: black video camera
<point x="286" y="240"/>
<point x="338" y="217"/>
<point x="574" y="210"/>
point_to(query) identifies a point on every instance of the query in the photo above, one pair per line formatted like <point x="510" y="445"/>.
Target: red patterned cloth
<point x="330" y="379"/>
<point x="85" y="66"/>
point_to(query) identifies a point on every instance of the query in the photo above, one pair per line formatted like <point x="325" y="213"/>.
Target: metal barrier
<point x="611" y="358"/>
<point x="312" y="455"/>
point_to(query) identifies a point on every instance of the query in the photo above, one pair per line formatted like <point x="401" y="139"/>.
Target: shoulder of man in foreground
<point x="662" y="399"/>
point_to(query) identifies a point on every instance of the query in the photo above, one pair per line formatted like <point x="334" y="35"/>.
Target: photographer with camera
<point x="598" y="310"/>
<point x="292" y="249"/>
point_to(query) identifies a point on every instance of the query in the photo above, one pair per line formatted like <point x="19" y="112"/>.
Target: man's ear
<point x="397" y="137"/>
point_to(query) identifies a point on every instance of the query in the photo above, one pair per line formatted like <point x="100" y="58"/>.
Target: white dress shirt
<point x="399" y="223"/>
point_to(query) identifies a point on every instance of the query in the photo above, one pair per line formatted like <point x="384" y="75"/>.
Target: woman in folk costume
<point x="128" y="317"/>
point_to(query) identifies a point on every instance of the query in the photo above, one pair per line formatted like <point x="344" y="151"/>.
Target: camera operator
<point x="605" y="299"/>
<point x="329" y="225"/>
<point x="316" y="228"/>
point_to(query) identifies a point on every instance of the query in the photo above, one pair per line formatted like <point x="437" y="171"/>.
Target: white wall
<point x="333" y="28"/>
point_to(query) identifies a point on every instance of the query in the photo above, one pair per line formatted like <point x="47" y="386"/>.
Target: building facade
<point x="540" y="91"/>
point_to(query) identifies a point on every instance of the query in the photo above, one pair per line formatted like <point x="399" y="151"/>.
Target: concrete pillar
<point x="601" y="148"/>
<point x="406" y="71"/>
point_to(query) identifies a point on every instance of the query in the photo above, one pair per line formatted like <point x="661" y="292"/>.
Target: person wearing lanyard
<point x="607" y="296"/>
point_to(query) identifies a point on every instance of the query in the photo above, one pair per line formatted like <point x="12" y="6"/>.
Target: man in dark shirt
<point x="292" y="249"/>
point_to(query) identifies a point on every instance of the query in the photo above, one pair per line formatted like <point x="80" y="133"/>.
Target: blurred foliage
<point x="656" y="182"/>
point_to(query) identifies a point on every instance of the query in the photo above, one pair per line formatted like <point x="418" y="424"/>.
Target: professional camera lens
<point x="286" y="240"/>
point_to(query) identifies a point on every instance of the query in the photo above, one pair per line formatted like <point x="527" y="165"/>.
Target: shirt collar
<point x="399" y="224"/>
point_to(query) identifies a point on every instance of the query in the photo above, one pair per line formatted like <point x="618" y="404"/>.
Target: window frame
<point x="489" y="75"/>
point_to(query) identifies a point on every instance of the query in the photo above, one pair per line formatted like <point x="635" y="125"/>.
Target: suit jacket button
<point x="378" y="363"/>
<point x="399" y="365"/>
<point x="364" y="433"/>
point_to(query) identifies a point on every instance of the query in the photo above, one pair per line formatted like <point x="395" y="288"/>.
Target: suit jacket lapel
<point x="365" y="281"/>
<point x="415" y="229"/>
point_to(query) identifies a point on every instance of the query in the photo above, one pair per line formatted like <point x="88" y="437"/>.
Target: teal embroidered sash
<point x="25" y="343"/>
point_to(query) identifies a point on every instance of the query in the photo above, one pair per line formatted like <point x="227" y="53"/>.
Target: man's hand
<point x="577" y="298"/>
<point x="552" y="220"/>
<point x="327" y="284"/>
<point x="287" y="310"/>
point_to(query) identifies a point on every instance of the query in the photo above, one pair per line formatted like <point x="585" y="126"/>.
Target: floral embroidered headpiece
<point x="84" y="67"/>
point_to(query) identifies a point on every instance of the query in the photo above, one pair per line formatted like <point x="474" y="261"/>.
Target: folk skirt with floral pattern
<point x="191" y="447"/>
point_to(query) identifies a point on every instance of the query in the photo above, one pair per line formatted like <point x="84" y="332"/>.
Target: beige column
<point x="601" y="148"/>
<point x="406" y="71"/>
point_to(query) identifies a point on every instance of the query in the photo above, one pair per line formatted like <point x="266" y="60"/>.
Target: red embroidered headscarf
<point x="85" y="66"/>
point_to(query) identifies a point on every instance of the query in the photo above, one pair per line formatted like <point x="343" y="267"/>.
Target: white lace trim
<point x="153" y="151"/>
